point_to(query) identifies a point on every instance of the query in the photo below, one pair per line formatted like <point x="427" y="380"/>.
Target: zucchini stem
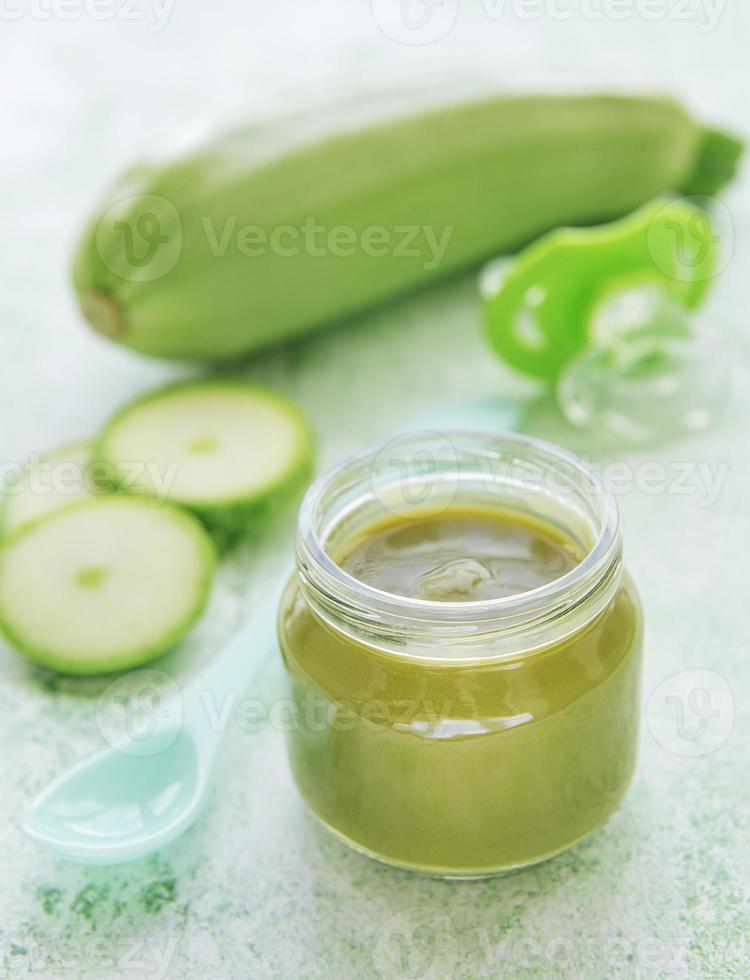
<point x="103" y="313"/>
<point x="715" y="165"/>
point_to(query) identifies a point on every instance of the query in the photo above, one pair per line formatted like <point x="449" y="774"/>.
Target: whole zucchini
<point x="272" y="230"/>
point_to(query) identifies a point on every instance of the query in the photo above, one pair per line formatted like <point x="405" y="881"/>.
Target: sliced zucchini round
<point x="47" y="483"/>
<point x="219" y="447"/>
<point x="103" y="584"/>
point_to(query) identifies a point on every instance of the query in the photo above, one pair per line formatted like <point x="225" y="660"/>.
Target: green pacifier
<point x="605" y="314"/>
<point x="542" y="314"/>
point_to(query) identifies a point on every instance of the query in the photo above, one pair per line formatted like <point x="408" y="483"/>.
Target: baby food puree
<point x="466" y="674"/>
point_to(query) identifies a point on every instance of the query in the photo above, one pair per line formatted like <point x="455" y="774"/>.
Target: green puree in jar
<point x="463" y="555"/>
<point x="475" y="764"/>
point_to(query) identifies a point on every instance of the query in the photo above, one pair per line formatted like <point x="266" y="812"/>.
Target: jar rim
<point x="352" y="597"/>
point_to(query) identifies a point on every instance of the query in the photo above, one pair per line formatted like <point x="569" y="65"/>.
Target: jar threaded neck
<point x="436" y="471"/>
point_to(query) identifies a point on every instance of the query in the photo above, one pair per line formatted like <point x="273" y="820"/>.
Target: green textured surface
<point x="256" y="889"/>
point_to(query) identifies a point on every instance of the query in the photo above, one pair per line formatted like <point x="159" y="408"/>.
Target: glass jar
<point x="462" y="738"/>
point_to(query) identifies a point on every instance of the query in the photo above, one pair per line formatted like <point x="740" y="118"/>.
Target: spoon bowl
<point x="118" y="805"/>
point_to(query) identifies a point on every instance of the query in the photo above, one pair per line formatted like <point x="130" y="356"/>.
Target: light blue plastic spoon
<point x="138" y="795"/>
<point x="134" y="797"/>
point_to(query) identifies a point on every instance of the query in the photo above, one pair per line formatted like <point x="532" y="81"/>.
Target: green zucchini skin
<point x="163" y="269"/>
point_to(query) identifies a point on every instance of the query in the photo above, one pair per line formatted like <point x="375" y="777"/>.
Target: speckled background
<point x="255" y="889"/>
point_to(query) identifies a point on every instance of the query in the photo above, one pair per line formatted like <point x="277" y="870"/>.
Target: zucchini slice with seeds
<point x="221" y="448"/>
<point x="104" y="584"/>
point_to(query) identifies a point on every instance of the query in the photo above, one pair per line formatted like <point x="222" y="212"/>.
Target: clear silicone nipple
<point x="652" y="371"/>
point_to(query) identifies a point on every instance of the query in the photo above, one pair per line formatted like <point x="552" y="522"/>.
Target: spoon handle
<point x="229" y="674"/>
